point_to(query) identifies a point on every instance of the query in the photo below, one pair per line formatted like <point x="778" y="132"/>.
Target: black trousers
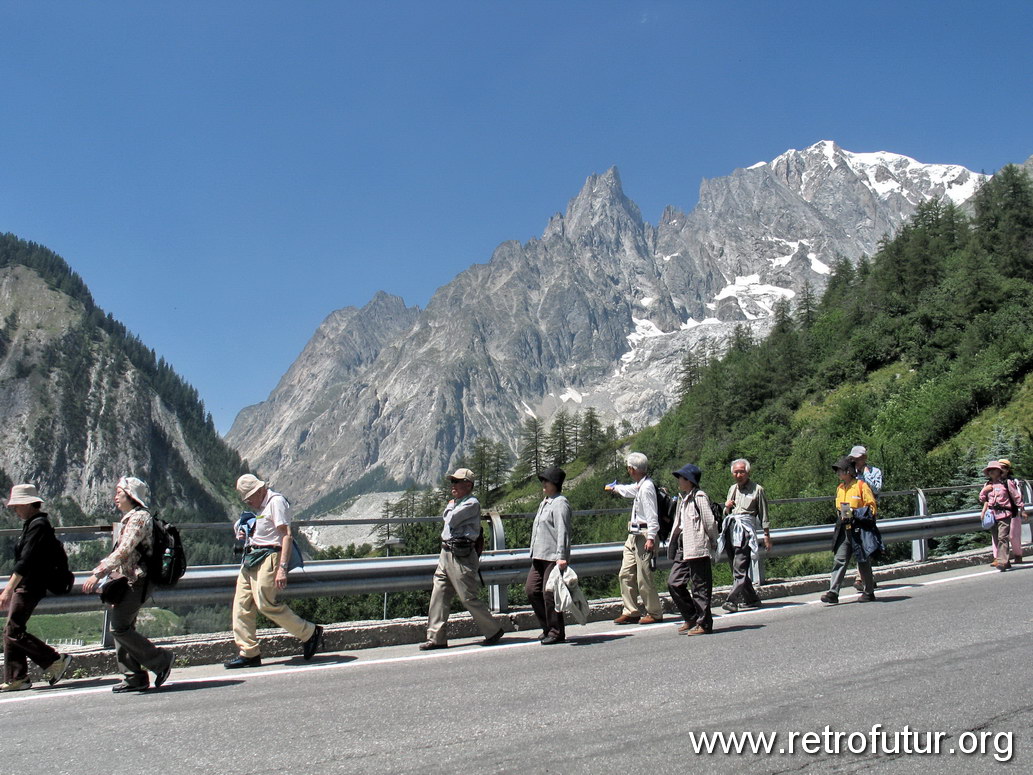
<point x="549" y="619"/>
<point x="134" y="653"/>
<point x="19" y="644"/>
<point x="691" y="584"/>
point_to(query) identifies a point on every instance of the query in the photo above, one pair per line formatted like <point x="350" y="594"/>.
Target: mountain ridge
<point x="598" y="311"/>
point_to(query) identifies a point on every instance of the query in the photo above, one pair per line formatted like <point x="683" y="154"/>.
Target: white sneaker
<point x="16" y="686"/>
<point x="57" y="671"/>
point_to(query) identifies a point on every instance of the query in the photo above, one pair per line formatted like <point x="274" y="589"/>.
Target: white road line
<point x="468" y="650"/>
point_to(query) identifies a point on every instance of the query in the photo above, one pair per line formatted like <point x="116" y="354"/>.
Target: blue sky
<point x="225" y="174"/>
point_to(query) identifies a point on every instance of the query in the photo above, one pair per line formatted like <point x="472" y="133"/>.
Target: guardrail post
<point x="920" y="546"/>
<point x="498" y="595"/>
<point x="105" y="632"/>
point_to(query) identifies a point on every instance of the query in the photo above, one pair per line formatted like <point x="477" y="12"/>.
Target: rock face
<point x="82" y="402"/>
<point x="599" y="311"/>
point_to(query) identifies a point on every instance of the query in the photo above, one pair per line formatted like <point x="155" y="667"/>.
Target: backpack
<point x="59" y="579"/>
<point x="666" y="509"/>
<point x="167" y="561"/>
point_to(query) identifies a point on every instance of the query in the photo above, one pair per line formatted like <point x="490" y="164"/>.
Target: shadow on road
<point x="76" y="683"/>
<point x="737" y="628"/>
<point x="187" y="686"/>
<point x="320" y="659"/>
<point x="881" y="598"/>
<point x="592" y="640"/>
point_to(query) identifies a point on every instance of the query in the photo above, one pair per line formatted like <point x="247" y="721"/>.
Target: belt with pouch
<point x="255" y="555"/>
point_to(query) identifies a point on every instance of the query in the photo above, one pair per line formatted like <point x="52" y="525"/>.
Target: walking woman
<point x="33" y="562"/>
<point x="550" y="548"/>
<point x="1001" y="497"/>
<point x="857" y="508"/>
<point x="1019" y="515"/>
<point x="126" y="589"/>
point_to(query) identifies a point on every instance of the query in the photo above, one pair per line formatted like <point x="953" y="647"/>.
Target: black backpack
<point x="167" y="561"/>
<point x="60" y="579"/>
<point x="666" y="509"/>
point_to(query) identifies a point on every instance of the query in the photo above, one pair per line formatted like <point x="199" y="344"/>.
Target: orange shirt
<point x="857" y="494"/>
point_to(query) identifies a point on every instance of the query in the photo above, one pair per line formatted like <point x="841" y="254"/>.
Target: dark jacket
<point x="34" y="552"/>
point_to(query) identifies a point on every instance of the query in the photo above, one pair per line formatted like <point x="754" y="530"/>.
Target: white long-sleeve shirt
<point x="644" y="519"/>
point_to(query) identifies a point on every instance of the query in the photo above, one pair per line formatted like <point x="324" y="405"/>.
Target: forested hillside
<point x="84" y="402"/>
<point x="921" y="353"/>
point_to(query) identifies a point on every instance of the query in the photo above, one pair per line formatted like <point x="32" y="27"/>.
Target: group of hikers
<point x="123" y="580"/>
<point x="695" y="530"/>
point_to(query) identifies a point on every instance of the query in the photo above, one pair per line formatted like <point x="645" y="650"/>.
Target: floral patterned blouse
<point x="134" y="542"/>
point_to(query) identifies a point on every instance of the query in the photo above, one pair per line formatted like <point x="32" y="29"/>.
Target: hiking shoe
<point x="830" y="598"/>
<point x="627" y="619"/>
<point x="57" y="669"/>
<point x="491" y="640"/>
<point x="431" y="646"/>
<point x="697" y="630"/>
<point x="866" y="597"/>
<point x="686" y="627"/>
<point x="311" y="646"/>
<point x="233" y="664"/>
<point x="162" y="675"/>
<point x="647" y="619"/>
<point x="730" y="607"/>
<point x="553" y="639"/>
<point x="130" y="686"/>
<point x="18" y="685"/>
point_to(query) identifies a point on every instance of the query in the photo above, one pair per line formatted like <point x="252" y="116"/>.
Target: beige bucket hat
<point x="248" y="485"/>
<point x="23" y="495"/>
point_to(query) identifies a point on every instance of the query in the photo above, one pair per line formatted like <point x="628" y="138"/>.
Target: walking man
<point x="747" y="509"/>
<point x="636" y="573"/>
<point x="263" y="573"/>
<point x="458" y="570"/>
<point x="864" y="471"/>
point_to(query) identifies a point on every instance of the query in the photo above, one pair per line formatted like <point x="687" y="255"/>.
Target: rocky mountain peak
<point x="599" y="211"/>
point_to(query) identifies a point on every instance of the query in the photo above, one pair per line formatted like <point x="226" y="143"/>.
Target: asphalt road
<point x="944" y="654"/>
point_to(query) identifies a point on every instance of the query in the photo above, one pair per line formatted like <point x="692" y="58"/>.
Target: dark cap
<point x="690" y="472"/>
<point x="844" y="464"/>
<point x="554" y="475"/>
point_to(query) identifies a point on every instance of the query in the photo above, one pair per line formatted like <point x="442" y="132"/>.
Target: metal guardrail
<point x="501" y="566"/>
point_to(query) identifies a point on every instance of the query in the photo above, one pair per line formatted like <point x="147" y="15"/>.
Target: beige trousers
<point x="454" y="576"/>
<point x="256" y="594"/>
<point x="636" y="579"/>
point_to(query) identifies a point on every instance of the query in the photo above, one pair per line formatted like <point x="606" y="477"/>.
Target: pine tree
<point x="591" y="434"/>
<point x="806" y="306"/>
<point x="557" y="441"/>
<point x="1004" y="222"/>
<point x="532" y="444"/>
